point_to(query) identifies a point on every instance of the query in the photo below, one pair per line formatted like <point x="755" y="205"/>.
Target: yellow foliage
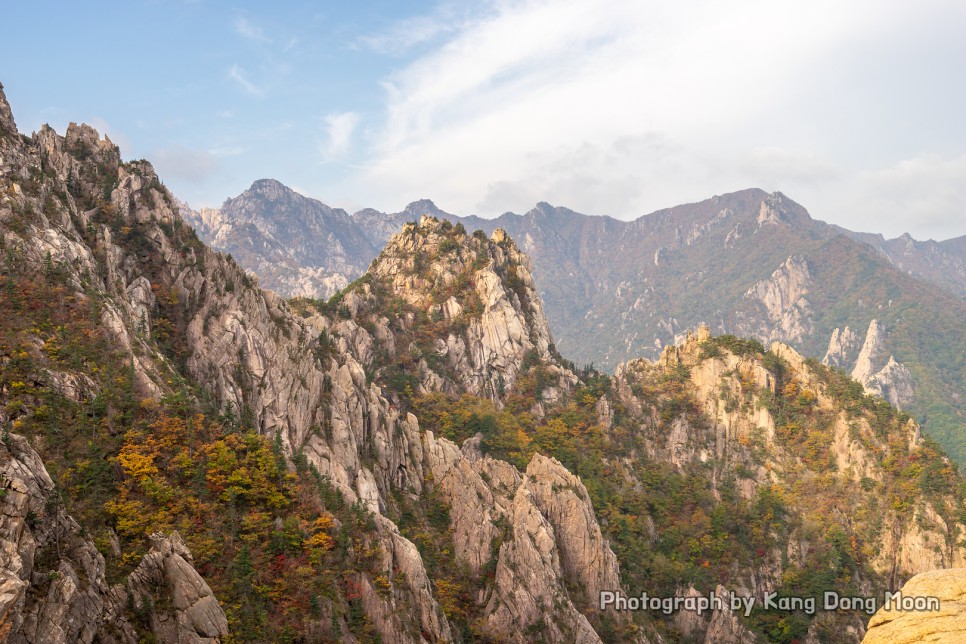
<point x="136" y="463"/>
<point x="321" y="541"/>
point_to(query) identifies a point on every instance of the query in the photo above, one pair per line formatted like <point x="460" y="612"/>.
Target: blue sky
<point x="853" y="109"/>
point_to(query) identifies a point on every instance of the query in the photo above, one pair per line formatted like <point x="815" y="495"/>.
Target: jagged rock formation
<point x="749" y="263"/>
<point x="886" y="378"/>
<point x="896" y="625"/>
<point x="552" y="563"/>
<point x="502" y="312"/>
<point x="194" y="614"/>
<point x="53" y="586"/>
<point x="296" y="245"/>
<point x="787" y="313"/>
<point x="841" y="347"/>
<point x="694" y="466"/>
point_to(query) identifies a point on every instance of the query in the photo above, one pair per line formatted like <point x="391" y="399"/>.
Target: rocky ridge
<point x="302" y="379"/>
<point x="795" y="280"/>
<point x="867" y="364"/>
<point x="895" y="625"/>
<point x="339" y="385"/>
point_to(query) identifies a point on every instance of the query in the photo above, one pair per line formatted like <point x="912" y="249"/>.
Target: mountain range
<point x="186" y="457"/>
<point x="891" y="313"/>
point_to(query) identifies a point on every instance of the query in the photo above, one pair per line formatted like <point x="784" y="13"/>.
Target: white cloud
<point x="634" y="106"/>
<point x="247" y="29"/>
<point x="474" y="113"/>
<point x="187" y="164"/>
<point x="928" y="192"/>
<point x="237" y="74"/>
<point x="339" y="129"/>
<point x="409" y="32"/>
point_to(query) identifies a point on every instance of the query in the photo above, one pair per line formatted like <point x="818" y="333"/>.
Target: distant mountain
<point x="942" y="262"/>
<point x="185" y="457"/>
<point x="748" y="263"/>
<point x="296" y="245"/>
<point x="753" y="264"/>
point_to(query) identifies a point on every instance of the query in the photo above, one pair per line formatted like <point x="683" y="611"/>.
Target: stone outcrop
<point x="8" y="126"/>
<point x="554" y="545"/>
<point x="787" y="311"/>
<point x="52" y="578"/>
<point x="887" y="378"/>
<point x="485" y="358"/>
<point x="843" y="348"/>
<point x="947" y="625"/>
<point x="725" y="626"/>
<point x="166" y="578"/>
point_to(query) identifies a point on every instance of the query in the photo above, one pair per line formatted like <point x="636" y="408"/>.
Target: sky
<point x="853" y="109"/>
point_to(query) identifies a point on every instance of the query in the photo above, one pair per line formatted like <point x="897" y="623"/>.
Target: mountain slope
<point x="409" y="461"/>
<point x="297" y="245"/>
<point x="942" y="263"/>
<point x="748" y="263"/>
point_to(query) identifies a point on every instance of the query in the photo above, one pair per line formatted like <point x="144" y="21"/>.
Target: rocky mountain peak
<point x="423" y="207"/>
<point x="777" y="208"/>
<point x="480" y="293"/>
<point x="7" y="124"/>
<point x="271" y="189"/>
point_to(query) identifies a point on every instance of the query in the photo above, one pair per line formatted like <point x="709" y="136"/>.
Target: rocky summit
<point x="748" y="263"/>
<point x="185" y="457"/>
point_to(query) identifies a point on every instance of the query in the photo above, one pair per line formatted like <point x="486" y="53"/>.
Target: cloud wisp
<point x="237" y="74"/>
<point x="248" y="29"/>
<point x="339" y="129"/>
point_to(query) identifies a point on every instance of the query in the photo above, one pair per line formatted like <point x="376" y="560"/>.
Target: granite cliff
<point x="189" y="457"/>
<point x="749" y="263"/>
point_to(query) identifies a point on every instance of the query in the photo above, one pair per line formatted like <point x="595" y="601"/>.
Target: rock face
<point x="552" y="561"/>
<point x="787" y="312"/>
<point x="166" y="577"/>
<point x="892" y="625"/>
<point x="7" y="125"/>
<point x="553" y="550"/>
<point x="68" y="605"/>
<point x="841" y="348"/>
<point x="886" y="378"/>
<point x="52" y="583"/>
<point x="747" y="263"/>
<point x="296" y="245"/>
<point x="502" y="314"/>
<point x="726" y="627"/>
